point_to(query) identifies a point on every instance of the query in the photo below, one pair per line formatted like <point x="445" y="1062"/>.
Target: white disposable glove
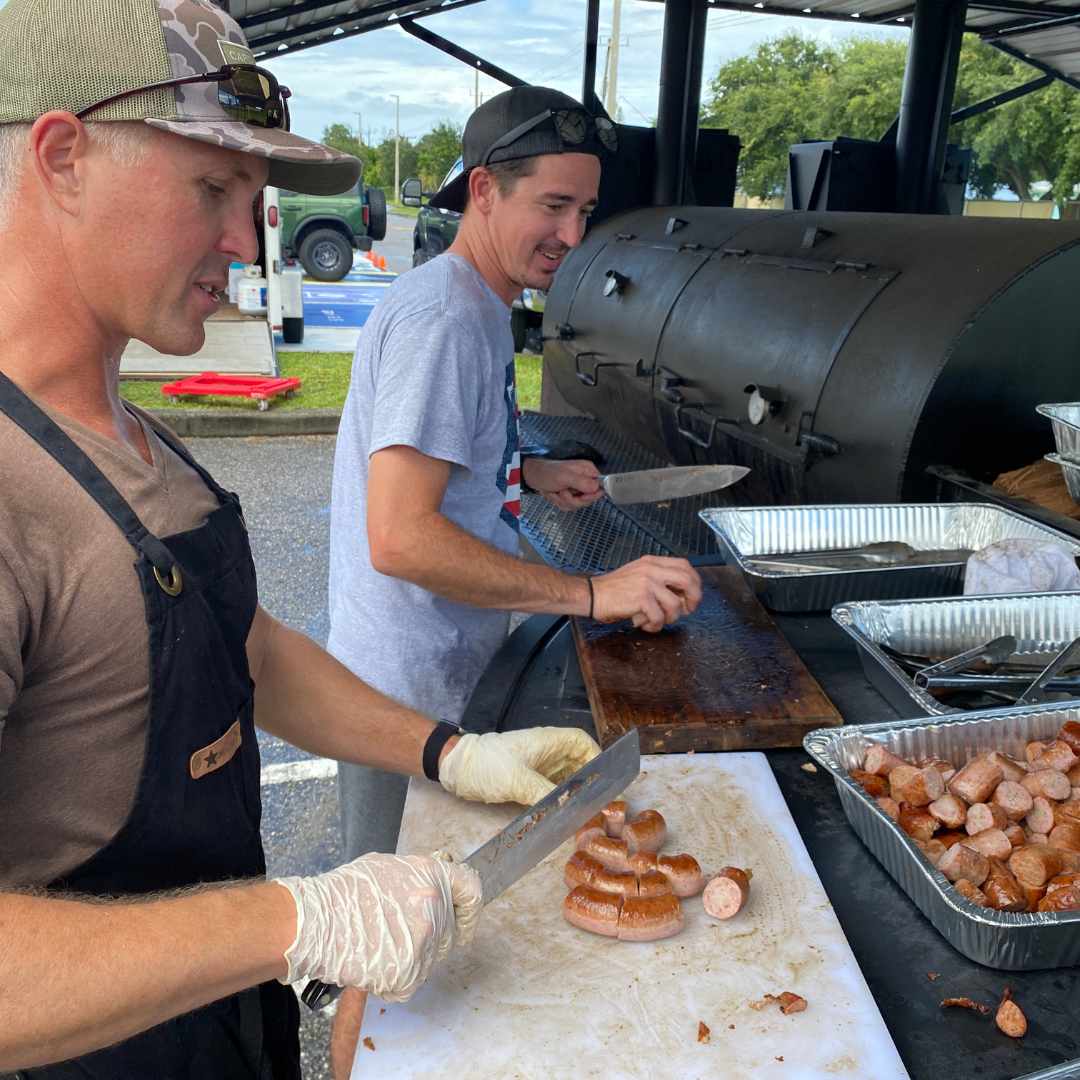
<point x="515" y="766"/>
<point x="1018" y="566"/>
<point x="380" y="922"/>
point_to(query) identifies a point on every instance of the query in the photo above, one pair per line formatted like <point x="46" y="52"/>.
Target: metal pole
<point x="681" y="61"/>
<point x="922" y="133"/>
<point x="476" y="88"/>
<point x="397" y="146"/>
<point x="588" y="74"/>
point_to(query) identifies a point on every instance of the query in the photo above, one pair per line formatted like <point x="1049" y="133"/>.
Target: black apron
<point x="197" y="807"/>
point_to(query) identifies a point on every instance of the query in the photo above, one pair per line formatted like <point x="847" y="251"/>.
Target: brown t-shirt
<point x="74" y="648"/>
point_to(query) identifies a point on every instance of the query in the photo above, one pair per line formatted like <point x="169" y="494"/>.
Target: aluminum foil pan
<point x="1065" y="421"/>
<point x="999" y="939"/>
<point x="1071" y="471"/>
<point x="743" y="533"/>
<point x="1040" y="622"/>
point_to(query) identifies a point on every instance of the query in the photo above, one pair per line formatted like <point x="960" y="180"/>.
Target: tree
<point x="436" y="152"/>
<point x="408" y="161"/>
<point x="793" y="90"/>
<point x="341" y="138"/>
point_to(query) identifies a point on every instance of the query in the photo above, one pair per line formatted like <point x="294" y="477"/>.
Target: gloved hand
<point x="380" y="922"/>
<point x="515" y="766"/>
<point x="1019" y="566"/>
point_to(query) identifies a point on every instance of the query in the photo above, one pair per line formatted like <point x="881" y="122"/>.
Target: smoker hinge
<point x="846" y="264"/>
<point x="817" y="446"/>
<point x="812" y="235"/>
<point x="674" y="224"/>
<point x="690" y="247"/>
<point x="625" y="236"/>
<point x="735" y="252"/>
<point x="670" y="381"/>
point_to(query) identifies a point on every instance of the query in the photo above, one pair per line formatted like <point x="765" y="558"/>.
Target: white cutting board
<point x="535" y="998"/>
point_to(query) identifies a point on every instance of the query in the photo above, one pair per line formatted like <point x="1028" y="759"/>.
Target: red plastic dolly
<point x="260" y="388"/>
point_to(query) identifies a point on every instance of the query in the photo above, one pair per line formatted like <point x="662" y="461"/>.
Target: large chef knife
<point x="659" y="485"/>
<point x="537" y="832"/>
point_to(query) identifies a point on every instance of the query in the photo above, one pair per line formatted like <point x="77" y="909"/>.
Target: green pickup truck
<point x="322" y="231"/>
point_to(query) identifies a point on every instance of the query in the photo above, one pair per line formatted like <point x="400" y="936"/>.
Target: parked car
<point x="434" y="233"/>
<point x="322" y="231"/>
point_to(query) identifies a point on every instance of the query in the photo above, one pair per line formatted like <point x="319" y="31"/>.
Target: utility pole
<point x="613" y="60"/>
<point x="359" y="127"/>
<point x="476" y="88"/>
<point x="397" y="146"/>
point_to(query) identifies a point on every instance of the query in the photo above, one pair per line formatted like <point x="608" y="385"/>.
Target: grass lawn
<point x="401" y="208"/>
<point x="325" y="377"/>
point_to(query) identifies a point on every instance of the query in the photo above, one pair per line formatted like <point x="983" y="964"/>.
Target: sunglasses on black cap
<point x="571" y="125"/>
<point x="246" y="92"/>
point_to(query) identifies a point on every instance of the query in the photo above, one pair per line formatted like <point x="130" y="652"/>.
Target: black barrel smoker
<point x="837" y="354"/>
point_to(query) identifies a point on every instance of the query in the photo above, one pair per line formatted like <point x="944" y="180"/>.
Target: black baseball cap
<point x="524" y="122"/>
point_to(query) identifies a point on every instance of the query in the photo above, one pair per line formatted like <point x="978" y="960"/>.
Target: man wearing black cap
<point x="424" y="530"/>
<point x="141" y="938"/>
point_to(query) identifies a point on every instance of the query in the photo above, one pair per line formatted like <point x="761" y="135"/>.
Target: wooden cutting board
<point x="724" y="678"/>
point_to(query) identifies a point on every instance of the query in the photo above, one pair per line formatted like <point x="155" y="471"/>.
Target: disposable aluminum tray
<point x="1065" y="420"/>
<point x="743" y="533"/>
<point x="1040" y="622"/>
<point x="999" y="939"/>
<point x="1071" y="471"/>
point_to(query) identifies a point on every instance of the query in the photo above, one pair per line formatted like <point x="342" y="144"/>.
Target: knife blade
<point x="659" y="485"/>
<point x="538" y="831"/>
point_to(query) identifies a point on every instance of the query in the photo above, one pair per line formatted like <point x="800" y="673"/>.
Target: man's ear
<point x="482" y="189"/>
<point x="58" y="148"/>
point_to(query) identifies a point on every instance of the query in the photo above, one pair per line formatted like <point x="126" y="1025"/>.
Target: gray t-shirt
<point x="434" y="370"/>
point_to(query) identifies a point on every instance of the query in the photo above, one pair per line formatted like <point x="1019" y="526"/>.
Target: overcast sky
<point x="540" y="41"/>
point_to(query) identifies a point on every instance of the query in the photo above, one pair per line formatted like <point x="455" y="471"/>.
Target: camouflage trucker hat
<point x="73" y="54"/>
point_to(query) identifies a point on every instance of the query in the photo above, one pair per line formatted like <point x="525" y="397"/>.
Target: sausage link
<point x="932" y="849"/>
<point x="949" y="810"/>
<point x="890" y="806"/>
<point x="976" y="781"/>
<point x="1001" y="889"/>
<point x="1015" y="832"/>
<point x="1014" y="799"/>
<point x="1066" y="812"/>
<point x="614" y="815"/>
<point x="581" y="869"/>
<point x="970" y="892"/>
<point x="1032" y="750"/>
<point x="650" y="918"/>
<point x="1012" y="769"/>
<point x="592" y="828"/>
<point x="983" y="816"/>
<point x="961" y="861"/>
<point x="1049" y="783"/>
<point x="1067" y="899"/>
<point x="590" y="909"/>
<point x="992" y="843"/>
<point x="946" y="768"/>
<point x="880" y="761"/>
<point x="646" y="832"/>
<point x="1070" y="735"/>
<point x="1057" y="755"/>
<point x="684" y="874"/>
<point x="611" y="852"/>
<point x="1066" y="836"/>
<point x="917" y="823"/>
<point x="653" y="883"/>
<point x="871" y="783"/>
<point x="1036" y="864"/>
<point x="1040" y="819"/>
<point x="725" y="894"/>
<point x="641" y="862"/>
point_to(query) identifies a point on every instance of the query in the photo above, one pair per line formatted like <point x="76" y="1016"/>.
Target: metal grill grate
<point x="603" y="536"/>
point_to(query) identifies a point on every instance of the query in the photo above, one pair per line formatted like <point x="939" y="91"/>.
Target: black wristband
<point x="442" y="731"/>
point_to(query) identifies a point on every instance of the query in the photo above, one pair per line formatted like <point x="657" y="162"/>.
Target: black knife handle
<point x="317" y="995"/>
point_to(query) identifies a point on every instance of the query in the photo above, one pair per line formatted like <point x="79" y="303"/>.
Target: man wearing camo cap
<point x="141" y="938"/>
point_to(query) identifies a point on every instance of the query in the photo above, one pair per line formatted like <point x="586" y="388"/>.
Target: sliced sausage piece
<point x="1067" y="899"/>
<point x="933" y="850"/>
<point x="726" y="893"/>
<point x="917" y="823"/>
<point x="1057" y="755"/>
<point x="890" y="806"/>
<point x="950" y="836"/>
<point x="1011" y="768"/>
<point x="1001" y="889"/>
<point x="614" y="815"/>
<point x="970" y="892"/>
<point x="590" y="909"/>
<point x="1049" y="783"/>
<point x="1033" y="750"/>
<point x="611" y="852"/>
<point x="615" y="881"/>
<point x="646" y="832"/>
<point x="650" y="918"/>
<point x="1009" y="1019"/>
<point x="581" y="869"/>
<point x="1066" y="811"/>
<point x="1033" y="896"/>
<point x="880" y="761"/>
<point x="1013" y="798"/>
<point x="1074" y="773"/>
<point x="919" y="787"/>
<point x="1070" y="735"/>
<point x="1063" y="881"/>
<point x="993" y="843"/>
<point x="976" y="781"/>
<point x="653" y="883"/>
<point x="1015" y="832"/>
<point x="592" y="828"/>
<point x="684" y="874"/>
<point x="983" y="816"/>
<point x="1066" y="836"/>
<point x="946" y="768"/>
<point x="641" y="862"/>
<point x="961" y="861"/>
<point x="949" y="810"/>
<point x="871" y="783"/>
<point x="1038" y="838"/>
<point x="1040" y="819"/>
<point x="1036" y="864"/>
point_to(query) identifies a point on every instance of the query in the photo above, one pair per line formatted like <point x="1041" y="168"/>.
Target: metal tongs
<point x="1037" y="691"/>
<point x="993" y="652"/>
<point x="880" y="553"/>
